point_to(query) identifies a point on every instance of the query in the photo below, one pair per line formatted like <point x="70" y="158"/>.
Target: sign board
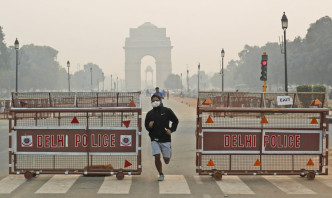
<point x="76" y="140"/>
<point x="231" y="141"/>
<point x="284" y="100"/>
<point x="292" y="142"/>
<point x="238" y="141"/>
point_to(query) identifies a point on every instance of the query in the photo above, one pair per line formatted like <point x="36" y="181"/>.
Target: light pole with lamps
<point x="222" y="68"/>
<point x="91" y="77"/>
<point x="103" y="81"/>
<point x="199" y="67"/>
<point x="117" y="85"/>
<point x="284" y="25"/>
<point x="111" y="82"/>
<point x="17" y="45"/>
<point x="187" y="80"/>
<point x="68" y="65"/>
<point x="181" y="83"/>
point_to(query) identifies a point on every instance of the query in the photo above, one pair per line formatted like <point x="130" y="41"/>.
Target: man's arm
<point x="174" y="119"/>
<point x="146" y="124"/>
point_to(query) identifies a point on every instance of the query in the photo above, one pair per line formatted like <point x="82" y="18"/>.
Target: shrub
<point x="319" y="88"/>
<point x="304" y="88"/>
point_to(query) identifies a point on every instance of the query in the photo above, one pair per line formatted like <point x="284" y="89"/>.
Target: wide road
<point x="180" y="180"/>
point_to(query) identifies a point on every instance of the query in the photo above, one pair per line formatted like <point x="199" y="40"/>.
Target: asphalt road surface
<point x="180" y="177"/>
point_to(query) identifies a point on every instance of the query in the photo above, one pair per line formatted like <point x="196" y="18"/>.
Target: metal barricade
<point x="75" y="99"/>
<point x="260" y="141"/>
<point x="76" y="140"/>
<point x="4" y="108"/>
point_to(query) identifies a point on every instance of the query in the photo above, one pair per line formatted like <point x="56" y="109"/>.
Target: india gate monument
<point x="146" y="40"/>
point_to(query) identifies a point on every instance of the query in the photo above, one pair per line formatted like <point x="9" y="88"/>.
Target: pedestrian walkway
<point x="58" y="184"/>
<point x="172" y="185"/>
<point x="113" y="186"/>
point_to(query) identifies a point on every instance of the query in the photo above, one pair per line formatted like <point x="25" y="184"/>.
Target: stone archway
<point x="147" y="39"/>
<point x="148" y="70"/>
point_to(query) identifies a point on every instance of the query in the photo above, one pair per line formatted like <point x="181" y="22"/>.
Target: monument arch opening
<point x="145" y="40"/>
<point x="148" y="72"/>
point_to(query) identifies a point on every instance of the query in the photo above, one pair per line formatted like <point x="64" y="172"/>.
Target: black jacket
<point x="161" y="117"/>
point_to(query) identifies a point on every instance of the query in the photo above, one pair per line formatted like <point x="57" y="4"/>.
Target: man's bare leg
<point x="158" y="164"/>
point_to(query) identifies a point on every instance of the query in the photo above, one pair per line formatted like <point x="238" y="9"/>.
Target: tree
<point x="4" y="55"/>
<point x="216" y="80"/>
<point x="81" y="80"/>
<point x="173" y="81"/>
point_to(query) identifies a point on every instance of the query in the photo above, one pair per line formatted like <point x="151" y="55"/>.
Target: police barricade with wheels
<point x="262" y="141"/>
<point x="76" y="140"/>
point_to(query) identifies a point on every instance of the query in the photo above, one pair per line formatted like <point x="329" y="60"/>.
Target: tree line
<point x="309" y="61"/>
<point x="39" y="70"/>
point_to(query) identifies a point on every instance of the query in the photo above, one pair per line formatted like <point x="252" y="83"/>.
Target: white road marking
<point x="10" y="183"/>
<point x="174" y="184"/>
<point x="58" y="184"/>
<point x="111" y="185"/>
<point x="233" y="185"/>
<point x="198" y="179"/>
<point x="288" y="185"/>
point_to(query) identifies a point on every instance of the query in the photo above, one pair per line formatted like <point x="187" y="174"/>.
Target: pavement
<point x="181" y="180"/>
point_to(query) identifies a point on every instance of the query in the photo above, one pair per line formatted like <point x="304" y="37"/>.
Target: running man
<point x="157" y="123"/>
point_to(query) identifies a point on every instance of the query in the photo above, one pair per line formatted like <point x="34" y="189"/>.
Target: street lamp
<point x="181" y="83"/>
<point x="199" y="67"/>
<point x="117" y="85"/>
<point x="103" y="81"/>
<point x="187" y="80"/>
<point x="284" y="25"/>
<point x="68" y="65"/>
<point x="17" y="45"/>
<point x="91" y="77"/>
<point x="222" y="68"/>
<point x="111" y="82"/>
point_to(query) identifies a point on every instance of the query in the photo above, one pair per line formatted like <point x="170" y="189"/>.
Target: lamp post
<point x="181" y="82"/>
<point x="17" y="45"/>
<point x="68" y="65"/>
<point x="188" y="80"/>
<point x="222" y="68"/>
<point x="199" y="67"/>
<point x="103" y="81"/>
<point x="91" y="77"/>
<point x="284" y="25"/>
<point x="111" y="82"/>
<point x="117" y="84"/>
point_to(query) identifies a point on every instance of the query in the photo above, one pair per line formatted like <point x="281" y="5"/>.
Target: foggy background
<point x="93" y="33"/>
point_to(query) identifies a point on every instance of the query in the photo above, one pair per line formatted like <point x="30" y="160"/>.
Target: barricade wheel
<point x="217" y="175"/>
<point x="303" y="174"/>
<point x="311" y="176"/>
<point x="120" y="175"/>
<point x="28" y="175"/>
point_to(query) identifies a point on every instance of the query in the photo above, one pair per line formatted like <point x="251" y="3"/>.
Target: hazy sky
<point x="95" y="30"/>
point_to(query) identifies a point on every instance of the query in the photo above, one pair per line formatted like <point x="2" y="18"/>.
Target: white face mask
<point x="155" y="103"/>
